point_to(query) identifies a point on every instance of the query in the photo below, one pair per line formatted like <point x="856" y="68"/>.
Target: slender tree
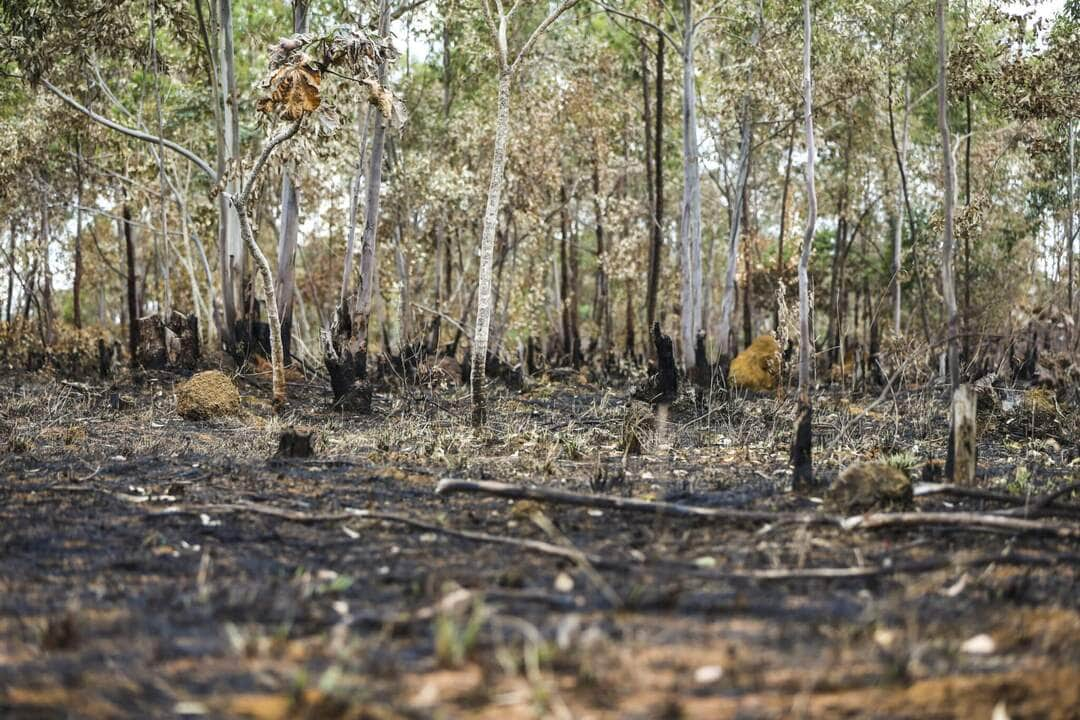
<point x="498" y="19"/>
<point x="289" y="222"/>
<point x="801" y="457"/>
<point x="1070" y="237"/>
<point x="739" y="204"/>
<point x="241" y="201"/>
<point x="11" y="272"/>
<point x="948" y="285"/>
<point x="77" y="277"/>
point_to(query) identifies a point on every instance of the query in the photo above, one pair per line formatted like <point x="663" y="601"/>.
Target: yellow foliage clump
<point x="758" y="366"/>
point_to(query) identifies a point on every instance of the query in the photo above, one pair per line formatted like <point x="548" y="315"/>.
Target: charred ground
<point x="159" y="567"/>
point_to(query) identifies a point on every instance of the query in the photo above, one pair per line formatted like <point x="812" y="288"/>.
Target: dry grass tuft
<point x="758" y="366"/>
<point x="207" y="396"/>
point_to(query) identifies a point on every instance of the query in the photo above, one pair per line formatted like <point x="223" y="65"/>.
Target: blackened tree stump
<point x="296" y="443"/>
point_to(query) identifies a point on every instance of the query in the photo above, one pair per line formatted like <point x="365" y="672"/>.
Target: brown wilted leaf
<point x="380" y="97"/>
<point x="294" y="90"/>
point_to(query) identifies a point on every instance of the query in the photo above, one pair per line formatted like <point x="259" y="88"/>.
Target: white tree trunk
<point x="277" y="361"/>
<point x="354" y="205"/>
<point x="232" y="248"/>
<point x="727" y="303"/>
<point x="240" y="202"/>
<point x="1071" y="212"/>
<point x="948" y="286"/>
<point x="802" y="443"/>
<point x="290" y="211"/>
<point x="477" y="374"/>
<point x="806" y="346"/>
<point x="690" y="217"/>
<point x="898" y="231"/>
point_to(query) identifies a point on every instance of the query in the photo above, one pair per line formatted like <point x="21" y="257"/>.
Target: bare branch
<point x="552" y="17"/>
<point x="645" y="22"/>
<point x="131" y="132"/>
<point x="406" y="8"/>
<point x="253" y="175"/>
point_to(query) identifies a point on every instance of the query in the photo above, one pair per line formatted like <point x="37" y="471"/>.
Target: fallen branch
<point x="611" y="502"/>
<point x="1039" y="506"/>
<point x="668" y="567"/>
<point x="962" y="520"/>
<point x="539" y="546"/>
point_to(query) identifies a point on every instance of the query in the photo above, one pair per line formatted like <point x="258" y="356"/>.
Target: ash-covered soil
<point x="152" y="566"/>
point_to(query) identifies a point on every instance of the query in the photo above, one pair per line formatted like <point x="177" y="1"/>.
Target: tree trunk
<point x="967" y="202"/>
<point x="11" y="273"/>
<point x="690" y="218"/>
<point x="162" y="253"/>
<point x="477" y="373"/>
<point x="948" y="286"/>
<point x="345" y="345"/>
<point x="224" y="314"/>
<point x="739" y="206"/>
<point x="727" y="303"/>
<point x="1069" y="217"/>
<point x="801" y="447"/>
<point x="76" y="282"/>
<point x="440" y="224"/>
<point x="365" y="291"/>
<point x="354" y="204"/>
<point x="240" y="202"/>
<point x="837" y="292"/>
<point x="289" y="223"/>
<point x="231" y="258"/>
<point x="565" y="293"/>
<point x="650" y="190"/>
<point x="656" y="247"/>
<point x="47" y="312"/>
<point x="132" y="302"/>
<point x="898" y="229"/>
<point x="31" y="279"/>
<point x="901" y="164"/>
<point x="748" y="319"/>
<point x="783" y="224"/>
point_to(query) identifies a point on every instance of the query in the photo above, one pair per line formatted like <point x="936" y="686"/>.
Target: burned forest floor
<point x="157" y="567"/>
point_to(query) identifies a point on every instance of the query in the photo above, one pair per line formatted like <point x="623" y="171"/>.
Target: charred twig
<point x="1043" y="505"/>
<point x="1044" y="500"/>
<point x="960" y="520"/>
<point x="660" y="566"/>
<point x="539" y="546"/>
<point x="666" y="567"/>
<point x="563" y="497"/>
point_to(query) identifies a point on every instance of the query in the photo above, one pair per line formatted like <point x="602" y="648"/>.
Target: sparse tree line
<point x="515" y="185"/>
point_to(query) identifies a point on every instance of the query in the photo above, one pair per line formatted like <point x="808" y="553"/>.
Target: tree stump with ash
<point x="296" y="443"/>
<point x="662" y="387"/>
<point x="174" y="344"/>
<point x="963" y="436"/>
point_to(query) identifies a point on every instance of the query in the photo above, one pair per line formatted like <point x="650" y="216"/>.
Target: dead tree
<point x="667" y="378"/>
